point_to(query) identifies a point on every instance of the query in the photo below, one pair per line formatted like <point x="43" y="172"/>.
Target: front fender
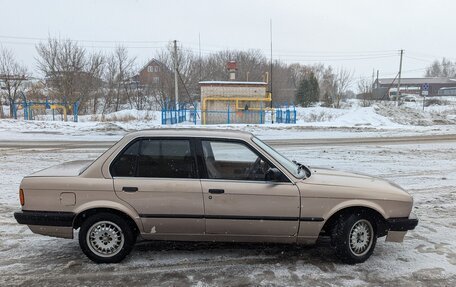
<point x="355" y="203"/>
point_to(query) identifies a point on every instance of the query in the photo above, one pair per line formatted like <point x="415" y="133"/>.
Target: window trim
<point x="202" y="165"/>
<point x="133" y="141"/>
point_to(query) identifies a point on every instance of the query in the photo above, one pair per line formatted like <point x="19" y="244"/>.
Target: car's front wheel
<point x="106" y="238"/>
<point x="354" y="237"/>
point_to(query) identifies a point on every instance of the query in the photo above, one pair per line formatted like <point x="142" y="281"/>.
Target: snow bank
<point x="311" y="122"/>
<point x="329" y="117"/>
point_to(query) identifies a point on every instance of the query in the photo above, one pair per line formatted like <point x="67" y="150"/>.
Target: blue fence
<point x="176" y="116"/>
<point x="285" y="116"/>
<point x="280" y="115"/>
<point x="28" y="106"/>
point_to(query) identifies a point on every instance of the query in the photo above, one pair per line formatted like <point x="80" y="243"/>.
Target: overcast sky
<point x="360" y="35"/>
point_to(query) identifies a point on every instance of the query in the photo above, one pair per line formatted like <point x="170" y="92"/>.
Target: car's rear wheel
<point x="106" y="238"/>
<point x="354" y="237"/>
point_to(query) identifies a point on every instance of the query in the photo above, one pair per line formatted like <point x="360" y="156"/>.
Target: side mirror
<point x="273" y="174"/>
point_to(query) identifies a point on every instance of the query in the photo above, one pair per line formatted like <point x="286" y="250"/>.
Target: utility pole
<point x="176" y="89"/>
<point x="200" y="59"/>
<point x="399" y="78"/>
<point x="270" y="31"/>
<point x="373" y="80"/>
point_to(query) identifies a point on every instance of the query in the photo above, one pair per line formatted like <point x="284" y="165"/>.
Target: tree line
<point x="105" y="82"/>
<point x="442" y="68"/>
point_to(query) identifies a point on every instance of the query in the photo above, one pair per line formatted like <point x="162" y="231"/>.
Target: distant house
<point x="438" y="86"/>
<point x="152" y="74"/>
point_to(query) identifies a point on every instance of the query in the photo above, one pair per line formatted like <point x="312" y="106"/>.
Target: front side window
<point x="156" y="158"/>
<point x="292" y="167"/>
<point x="233" y="161"/>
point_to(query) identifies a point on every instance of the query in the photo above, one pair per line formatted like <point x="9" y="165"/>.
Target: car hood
<point x="71" y="168"/>
<point x="341" y="184"/>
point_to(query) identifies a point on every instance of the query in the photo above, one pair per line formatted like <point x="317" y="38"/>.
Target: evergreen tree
<point x="308" y="90"/>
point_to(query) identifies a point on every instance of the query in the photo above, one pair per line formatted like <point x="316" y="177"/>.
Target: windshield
<point x="293" y="167"/>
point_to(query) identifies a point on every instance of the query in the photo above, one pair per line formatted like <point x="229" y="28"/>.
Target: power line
<point x="418" y="59"/>
<point x="335" y="59"/>
<point x="81" y="40"/>
<point x="85" y="46"/>
<point x="343" y="55"/>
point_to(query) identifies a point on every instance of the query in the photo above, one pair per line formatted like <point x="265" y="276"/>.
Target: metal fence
<point x="280" y="115"/>
<point x="175" y="116"/>
<point x="286" y="116"/>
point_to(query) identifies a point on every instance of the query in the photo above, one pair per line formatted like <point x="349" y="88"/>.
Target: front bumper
<point x="45" y="218"/>
<point x="402" y="223"/>
<point x="397" y="227"/>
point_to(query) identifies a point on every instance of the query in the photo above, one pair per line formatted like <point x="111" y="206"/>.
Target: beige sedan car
<point x="209" y="185"/>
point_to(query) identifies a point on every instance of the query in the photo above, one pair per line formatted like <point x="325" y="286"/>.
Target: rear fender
<point x="106" y="204"/>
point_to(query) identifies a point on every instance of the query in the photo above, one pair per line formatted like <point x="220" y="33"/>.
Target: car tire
<point x="106" y="238"/>
<point x="353" y="237"/>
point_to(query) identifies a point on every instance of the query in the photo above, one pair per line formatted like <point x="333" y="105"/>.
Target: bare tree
<point x="12" y="74"/>
<point x="160" y="93"/>
<point x="63" y="64"/>
<point x="283" y="89"/>
<point x="124" y="71"/>
<point x="328" y="86"/>
<point x="444" y="68"/>
<point x="343" y="81"/>
<point x="119" y="88"/>
<point x="109" y="92"/>
<point x="71" y="74"/>
<point x="251" y="64"/>
<point x="365" y="91"/>
<point x="93" y="84"/>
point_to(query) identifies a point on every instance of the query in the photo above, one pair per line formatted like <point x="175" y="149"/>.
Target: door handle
<point x="129" y="189"/>
<point x="217" y="191"/>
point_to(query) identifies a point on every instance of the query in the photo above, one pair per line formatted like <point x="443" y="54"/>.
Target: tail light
<point x="21" y="196"/>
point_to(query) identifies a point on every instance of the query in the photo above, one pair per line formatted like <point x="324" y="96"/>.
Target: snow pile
<point x="343" y="118"/>
<point x="411" y="116"/>
<point x="385" y="115"/>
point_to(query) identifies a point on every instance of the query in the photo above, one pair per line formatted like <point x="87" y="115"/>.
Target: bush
<point x="434" y="102"/>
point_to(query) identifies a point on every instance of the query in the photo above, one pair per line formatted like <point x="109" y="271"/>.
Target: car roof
<point x="191" y="132"/>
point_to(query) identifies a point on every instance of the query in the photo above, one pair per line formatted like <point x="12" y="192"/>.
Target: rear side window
<point x="125" y="164"/>
<point x="156" y="158"/>
<point x="166" y="158"/>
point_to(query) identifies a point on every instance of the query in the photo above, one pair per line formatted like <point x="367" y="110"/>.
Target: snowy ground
<point x="426" y="258"/>
<point x="382" y="119"/>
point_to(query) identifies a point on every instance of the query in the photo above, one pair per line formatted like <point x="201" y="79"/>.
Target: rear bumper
<point x="45" y="218"/>
<point x="402" y="223"/>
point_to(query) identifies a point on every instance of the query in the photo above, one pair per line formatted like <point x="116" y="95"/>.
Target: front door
<point x="238" y="198"/>
<point x="158" y="178"/>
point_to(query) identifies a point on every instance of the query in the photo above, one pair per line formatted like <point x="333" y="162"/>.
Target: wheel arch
<point x="356" y="206"/>
<point x="130" y="216"/>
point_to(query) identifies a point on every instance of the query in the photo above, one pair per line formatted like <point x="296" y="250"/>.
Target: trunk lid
<point x="71" y="168"/>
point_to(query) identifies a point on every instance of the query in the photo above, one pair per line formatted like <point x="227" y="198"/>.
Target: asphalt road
<point x="273" y="142"/>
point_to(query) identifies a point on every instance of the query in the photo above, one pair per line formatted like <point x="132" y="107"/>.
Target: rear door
<point x="158" y="177"/>
<point x="238" y="198"/>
